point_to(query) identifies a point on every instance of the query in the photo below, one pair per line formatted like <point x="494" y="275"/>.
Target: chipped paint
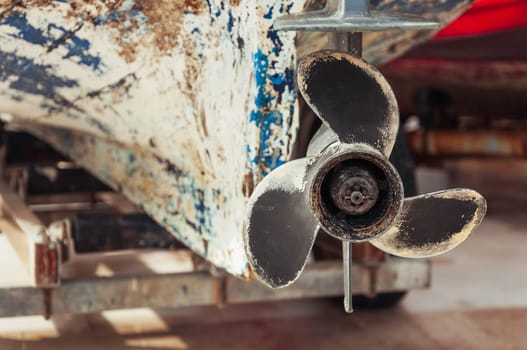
<point x="175" y="198"/>
<point x="265" y="156"/>
<point x="52" y="37"/>
<point x="26" y="76"/>
<point x="274" y="79"/>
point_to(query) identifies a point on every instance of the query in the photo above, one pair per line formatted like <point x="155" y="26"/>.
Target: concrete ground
<point x="478" y="298"/>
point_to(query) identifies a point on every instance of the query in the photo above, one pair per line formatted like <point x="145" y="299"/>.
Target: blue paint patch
<point x="230" y="23"/>
<point x="277" y="42"/>
<point x="269" y="13"/>
<point x="76" y="47"/>
<point x="209" y="6"/>
<point x="264" y="115"/>
<point x="269" y="157"/>
<point x="272" y="82"/>
<point x="30" y="77"/>
<point x="199" y="205"/>
<point x="202" y="219"/>
<point x="283" y="81"/>
<point x="26" y="31"/>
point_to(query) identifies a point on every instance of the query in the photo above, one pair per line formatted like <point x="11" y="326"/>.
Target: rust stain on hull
<point x="165" y="17"/>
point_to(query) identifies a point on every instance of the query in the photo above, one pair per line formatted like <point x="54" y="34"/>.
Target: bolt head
<point x="354" y="190"/>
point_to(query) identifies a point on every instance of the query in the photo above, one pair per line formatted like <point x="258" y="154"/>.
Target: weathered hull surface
<point x="203" y="89"/>
<point x="181" y="105"/>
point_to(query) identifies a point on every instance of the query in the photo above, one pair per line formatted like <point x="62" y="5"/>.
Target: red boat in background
<point x="476" y="66"/>
<point x="487" y="16"/>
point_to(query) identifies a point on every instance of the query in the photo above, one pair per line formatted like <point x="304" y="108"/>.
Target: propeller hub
<point x="354" y="190"/>
<point x="356" y="194"/>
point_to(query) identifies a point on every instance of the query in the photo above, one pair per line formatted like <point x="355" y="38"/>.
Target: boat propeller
<point x="345" y="186"/>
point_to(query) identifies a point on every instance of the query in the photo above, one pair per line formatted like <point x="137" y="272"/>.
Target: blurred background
<point x="463" y="102"/>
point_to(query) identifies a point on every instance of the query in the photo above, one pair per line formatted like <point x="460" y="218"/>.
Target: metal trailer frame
<point x="43" y="250"/>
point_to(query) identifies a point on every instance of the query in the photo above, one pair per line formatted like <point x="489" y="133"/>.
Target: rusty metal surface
<point x="38" y="252"/>
<point x="365" y="253"/>
<point x="350" y="16"/>
<point x="445" y="143"/>
<point x="200" y="288"/>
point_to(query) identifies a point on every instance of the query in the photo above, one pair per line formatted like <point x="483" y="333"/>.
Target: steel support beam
<point x="39" y="253"/>
<point x="323" y="279"/>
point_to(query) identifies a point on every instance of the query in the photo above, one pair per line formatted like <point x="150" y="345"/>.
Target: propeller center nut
<point x="354" y="190"/>
<point x="356" y="198"/>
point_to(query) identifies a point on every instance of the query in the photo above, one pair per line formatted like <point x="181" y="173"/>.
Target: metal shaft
<point x="346" y="42"/>
<point x="351" y="43"/>
<point x="348" y="282"/>
<point x="356" y="7"/>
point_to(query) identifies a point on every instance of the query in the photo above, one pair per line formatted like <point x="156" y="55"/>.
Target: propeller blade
<point x="433" y="223"/>
<point x="281" y="228"/>
<point x="351" y="97"/>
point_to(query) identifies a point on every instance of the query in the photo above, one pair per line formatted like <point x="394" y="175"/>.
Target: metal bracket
<point x="349" y="16"/>
<point x="34" y="246"/>
<point x="38" y="251"/>
<point x="97" y="294"/>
